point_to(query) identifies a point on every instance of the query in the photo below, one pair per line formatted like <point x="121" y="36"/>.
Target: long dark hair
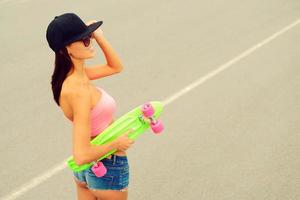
<point x="63" y="64"/>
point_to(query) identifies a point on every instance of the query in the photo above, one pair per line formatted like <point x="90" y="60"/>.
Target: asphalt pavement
<point x="234" y="136"/>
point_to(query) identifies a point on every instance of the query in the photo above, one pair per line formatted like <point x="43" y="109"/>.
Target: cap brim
<point x="91" y="28"/>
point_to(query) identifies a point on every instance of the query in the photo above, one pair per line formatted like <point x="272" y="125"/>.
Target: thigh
<point x="110" y="194"/>
<point x="83" y="193"/>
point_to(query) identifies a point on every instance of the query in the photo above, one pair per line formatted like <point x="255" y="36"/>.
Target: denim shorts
<point x="116" y="177"/>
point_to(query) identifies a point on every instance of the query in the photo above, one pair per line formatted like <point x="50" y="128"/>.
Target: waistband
<point x="117" y="158"/>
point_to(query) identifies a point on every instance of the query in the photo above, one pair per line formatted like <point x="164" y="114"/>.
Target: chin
<point x="92" y="55"/>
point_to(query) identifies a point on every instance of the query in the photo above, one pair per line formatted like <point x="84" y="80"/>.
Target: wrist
<point x="113" y="145"/>
<point x="98" y="36"/>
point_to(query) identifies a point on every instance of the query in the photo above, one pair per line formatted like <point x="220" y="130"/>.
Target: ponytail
<point x="63" y="64"/>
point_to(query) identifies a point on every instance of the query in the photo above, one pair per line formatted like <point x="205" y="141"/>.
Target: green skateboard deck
<point x="132" y="120"/>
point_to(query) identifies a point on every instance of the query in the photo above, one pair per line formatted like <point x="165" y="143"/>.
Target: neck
<point x="78" y="70"/>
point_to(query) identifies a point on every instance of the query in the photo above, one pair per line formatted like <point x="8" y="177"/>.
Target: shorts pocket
<point x="104" y="182"/>
<point x="125" y="170"/>
<point x="106" y="177"/>
<point x="124" y="179"/>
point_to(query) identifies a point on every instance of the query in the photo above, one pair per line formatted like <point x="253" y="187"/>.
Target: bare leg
<point x="110" y="194"/>
<point x="83" y="193"/>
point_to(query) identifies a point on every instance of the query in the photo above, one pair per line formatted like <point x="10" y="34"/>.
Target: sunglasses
<point x="86" y="40"/>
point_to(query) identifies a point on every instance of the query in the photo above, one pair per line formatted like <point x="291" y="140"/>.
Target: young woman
<point x="89" y="108"/>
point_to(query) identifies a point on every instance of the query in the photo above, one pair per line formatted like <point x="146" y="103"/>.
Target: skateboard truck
<point x="148" y="112"/>
<point x="141" y="118"/>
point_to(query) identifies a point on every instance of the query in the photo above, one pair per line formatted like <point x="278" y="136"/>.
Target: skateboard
<point x="139" y="120"/>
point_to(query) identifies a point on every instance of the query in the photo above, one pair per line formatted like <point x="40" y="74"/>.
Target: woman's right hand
<point x="122" y="143"/>
<point x="98" y="31"/>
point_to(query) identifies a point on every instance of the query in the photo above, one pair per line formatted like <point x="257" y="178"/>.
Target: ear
<point x="68" y="50"/>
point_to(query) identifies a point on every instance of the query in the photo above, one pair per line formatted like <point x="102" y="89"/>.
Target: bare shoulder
<point x="75" y="93"/>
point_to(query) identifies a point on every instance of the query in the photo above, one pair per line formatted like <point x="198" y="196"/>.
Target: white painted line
<point x="35" y="181"/>
<point x="228" y="64"/>
<point x="48" y="174"/>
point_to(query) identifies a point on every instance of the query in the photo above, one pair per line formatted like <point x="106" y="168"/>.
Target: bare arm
<point x="83" y="151"/>
<point x="113" y="65"/>
<point x="111" y="56"/>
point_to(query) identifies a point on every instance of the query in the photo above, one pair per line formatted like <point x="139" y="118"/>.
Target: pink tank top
<point x="102" y="113"/>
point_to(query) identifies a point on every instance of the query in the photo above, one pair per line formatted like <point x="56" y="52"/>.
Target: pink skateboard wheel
<point x="99" y="169"/>
<point x="157" y="127"/>
<point x="147" y="110"/>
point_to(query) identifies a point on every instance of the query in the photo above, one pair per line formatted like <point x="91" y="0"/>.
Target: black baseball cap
<point x="67" y="28"/>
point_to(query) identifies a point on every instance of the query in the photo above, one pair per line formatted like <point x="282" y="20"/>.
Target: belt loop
<point x="114" y="159"/>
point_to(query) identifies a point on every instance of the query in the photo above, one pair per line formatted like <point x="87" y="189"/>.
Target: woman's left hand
<point x="98" y="31"/>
